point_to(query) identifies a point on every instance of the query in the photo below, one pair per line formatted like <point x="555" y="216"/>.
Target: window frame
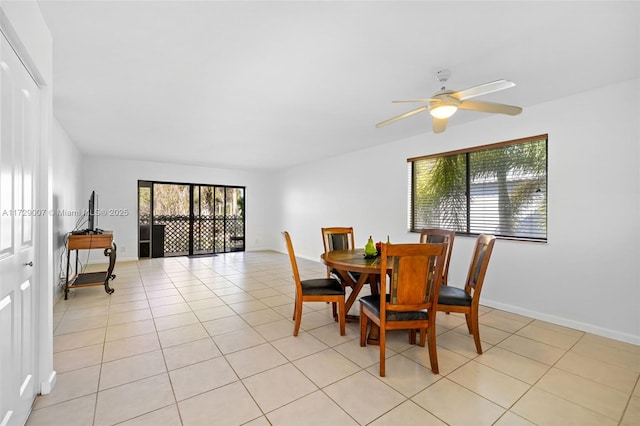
<point x="468" y="218"/>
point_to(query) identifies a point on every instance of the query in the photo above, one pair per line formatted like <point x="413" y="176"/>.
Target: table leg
<point x="66" y="284"/>
<point x="354" y="295"/>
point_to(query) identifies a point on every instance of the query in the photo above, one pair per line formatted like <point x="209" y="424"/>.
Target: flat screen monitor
<point x="91" y="227"/>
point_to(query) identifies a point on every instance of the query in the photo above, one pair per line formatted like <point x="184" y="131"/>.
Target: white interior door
<point x="19" y="133"/>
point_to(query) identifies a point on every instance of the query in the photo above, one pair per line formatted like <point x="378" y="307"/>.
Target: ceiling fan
<point x="445" y="103"/>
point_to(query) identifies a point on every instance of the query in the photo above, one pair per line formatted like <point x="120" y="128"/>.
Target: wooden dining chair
<point x="467" y="300"/>
<point x="342" y="238"/>
<point x="337" y="238"/>
<point x="436" y="235"/>
<point x="415" y="272"/>
<point x="315" y="290"/>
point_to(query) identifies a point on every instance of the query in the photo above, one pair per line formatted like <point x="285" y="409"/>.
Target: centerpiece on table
<point x="370" y="250"/>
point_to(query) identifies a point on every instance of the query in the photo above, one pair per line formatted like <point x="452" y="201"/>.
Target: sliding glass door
<point x="203" y="219"/>
<point x="177" y="219"/>
<point x="218" y="219"/>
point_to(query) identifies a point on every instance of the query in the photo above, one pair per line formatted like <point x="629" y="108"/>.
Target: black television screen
<point x="92" y="212"/>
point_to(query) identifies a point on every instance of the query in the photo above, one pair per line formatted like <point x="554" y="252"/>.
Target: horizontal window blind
<point x="498" y="189"/>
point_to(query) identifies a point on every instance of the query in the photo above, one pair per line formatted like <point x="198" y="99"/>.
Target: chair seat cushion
<point x="372" y="302"/>
<point x="322" y="287"/>
<point x="353" y="275"/>
<point x="453" y="296"/>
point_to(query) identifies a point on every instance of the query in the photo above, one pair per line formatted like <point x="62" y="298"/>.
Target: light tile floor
<point x="209" y="341"/>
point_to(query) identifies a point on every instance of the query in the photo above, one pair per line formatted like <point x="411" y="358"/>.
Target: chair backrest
<point x="415" y="276"/>
<point x="479" y="264"/>
<point x="434" y="235"/>
<point x="294" y="263"/>
<point x="337" y="238"/>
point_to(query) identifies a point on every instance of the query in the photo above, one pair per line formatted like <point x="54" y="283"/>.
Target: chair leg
<point x="295" y="306"/>
<point x="433" y="353"/>
<point x="475" y="330"/>
<point x="298" y="315"/>
<point x="467" y="317"/>
<point x="341" y="316"/>
<point x="412" y="336"/>
<point x="444" y="282"/>
<point x="423" y="336"/>
<point x="333" y="310"/>
<point x="363" y="328"/>
<point x="383" y="337"/>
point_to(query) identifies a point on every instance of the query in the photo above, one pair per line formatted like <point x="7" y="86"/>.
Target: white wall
<point x="586" y="276"/>
<point x="68" y="197"/>
<point x="116" y="183"/>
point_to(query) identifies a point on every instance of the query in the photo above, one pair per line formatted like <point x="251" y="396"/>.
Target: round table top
<point x="351" y="260"/>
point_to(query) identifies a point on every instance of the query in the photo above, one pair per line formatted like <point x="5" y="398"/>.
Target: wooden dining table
<point x="368" y="268"/>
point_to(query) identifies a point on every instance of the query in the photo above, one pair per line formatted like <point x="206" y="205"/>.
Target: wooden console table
<point x="89" y="242"/>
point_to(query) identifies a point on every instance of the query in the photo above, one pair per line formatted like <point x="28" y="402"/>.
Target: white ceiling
<point x="269" y="84"/>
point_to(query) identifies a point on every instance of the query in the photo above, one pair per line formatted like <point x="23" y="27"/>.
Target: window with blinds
<point x="498" y="189"/>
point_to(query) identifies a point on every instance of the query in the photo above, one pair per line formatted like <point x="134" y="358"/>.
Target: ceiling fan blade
<point x="439" y="124"/>
<point x="415" y="100"/>
<point x="483" y="89"/>
<point x="401" y="116"/>
<point x="490" y="107"/>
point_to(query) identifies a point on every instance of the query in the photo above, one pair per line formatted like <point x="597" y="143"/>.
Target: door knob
<point x="29" y="264"/>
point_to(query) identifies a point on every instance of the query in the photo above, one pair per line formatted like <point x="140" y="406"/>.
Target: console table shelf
<point x="89" y="242"/>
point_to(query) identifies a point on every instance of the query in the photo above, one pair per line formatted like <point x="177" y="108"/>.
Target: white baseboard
<point x="565" y="322"/>
<point x="47" y="386"/>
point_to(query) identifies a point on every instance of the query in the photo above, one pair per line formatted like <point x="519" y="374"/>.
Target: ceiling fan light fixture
<point x="443" y="110"/>
<point x="444" y="103"/>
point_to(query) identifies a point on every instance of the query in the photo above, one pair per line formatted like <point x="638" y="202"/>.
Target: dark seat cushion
<point x="372" y="302"/>
<point x="354" y="275"/>
<point x="453" y="296"/>
<point x="321" y="287"/>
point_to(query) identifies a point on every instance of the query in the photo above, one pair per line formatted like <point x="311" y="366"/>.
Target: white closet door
<point x="19" y="133"/>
